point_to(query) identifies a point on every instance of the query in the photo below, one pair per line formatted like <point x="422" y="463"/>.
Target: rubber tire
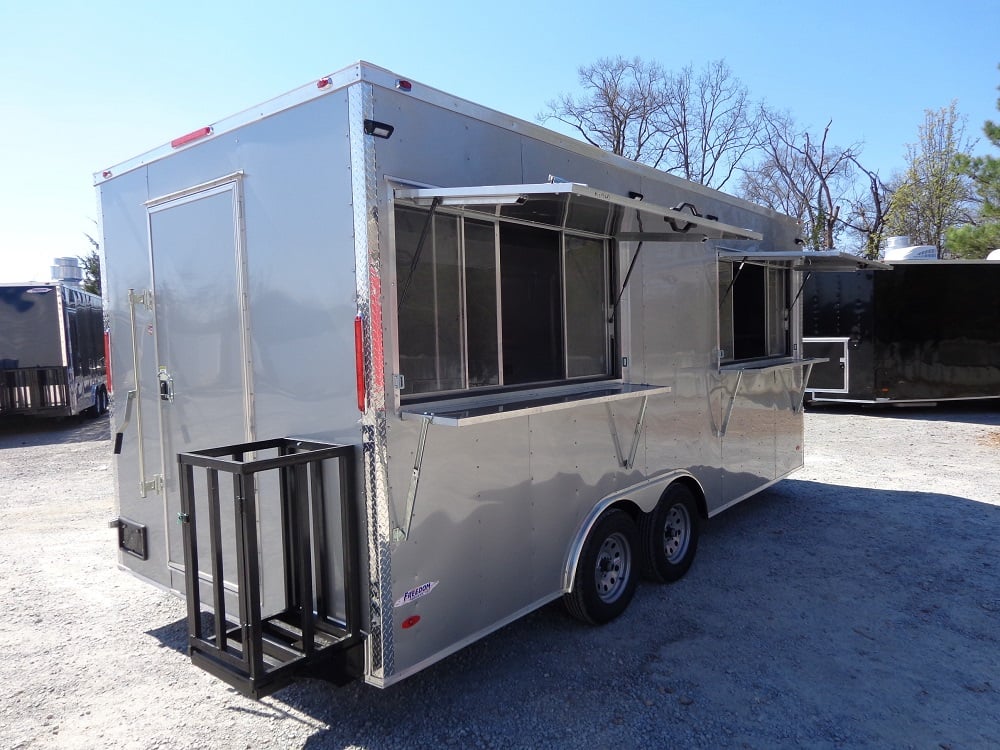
<point x="614" y="532"/>
<point x="100" y="404"/>
<point x="676" y="505"/>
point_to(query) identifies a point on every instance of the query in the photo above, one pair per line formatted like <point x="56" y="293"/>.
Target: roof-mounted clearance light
<point x="194" y="135"/>
<point x="404" y="85"/>
<point x="322" y="83"/>
<point x="106" y="173"/>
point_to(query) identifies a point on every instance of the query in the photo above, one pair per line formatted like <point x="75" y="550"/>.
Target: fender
<point x="644" y="495"/>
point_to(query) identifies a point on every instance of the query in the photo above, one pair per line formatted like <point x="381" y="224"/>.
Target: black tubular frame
<point x="261" y="655"/>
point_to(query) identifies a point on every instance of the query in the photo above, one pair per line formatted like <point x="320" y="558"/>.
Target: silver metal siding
<point x="678" y="320"/>
<point x="126" y="266"/>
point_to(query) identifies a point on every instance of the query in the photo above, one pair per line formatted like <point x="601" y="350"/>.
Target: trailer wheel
<point x="100" y="403"/>
<point x="668" y="536"/>
<point x="606" y="572"/>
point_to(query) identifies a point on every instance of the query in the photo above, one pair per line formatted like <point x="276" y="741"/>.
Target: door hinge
<point x="153" y="485"/>
<point x="144" y="298"/>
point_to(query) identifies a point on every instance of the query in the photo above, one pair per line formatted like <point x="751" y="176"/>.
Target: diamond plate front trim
<point x="364" y="187"/>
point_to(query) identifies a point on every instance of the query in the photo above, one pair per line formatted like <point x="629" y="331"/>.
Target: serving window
<point x="485" y="302"/>
<point x="757" y="291"/>
<point x="753" y="311"/>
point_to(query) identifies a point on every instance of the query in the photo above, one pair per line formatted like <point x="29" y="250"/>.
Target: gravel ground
<point x="854" y="605"/>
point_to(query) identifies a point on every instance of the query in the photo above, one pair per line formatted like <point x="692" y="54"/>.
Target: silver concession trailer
<point x="395" y="369"/>
<point x="925" y="331"/>
<point x="52" y="352"/>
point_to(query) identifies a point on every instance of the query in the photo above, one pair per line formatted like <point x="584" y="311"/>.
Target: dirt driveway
<point x="854" y="605"/>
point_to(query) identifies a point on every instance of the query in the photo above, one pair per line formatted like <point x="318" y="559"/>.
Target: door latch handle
<point x="166" y="385"/>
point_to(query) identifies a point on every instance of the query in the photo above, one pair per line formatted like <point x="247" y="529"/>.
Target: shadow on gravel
<point x="985" y="412"/>
<point x="815" y="615"/>
<point x="18" y="431"/>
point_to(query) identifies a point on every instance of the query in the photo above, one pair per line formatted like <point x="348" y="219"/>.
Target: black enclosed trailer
<point x="52" y="357"/>
<point x="923" y="331"/>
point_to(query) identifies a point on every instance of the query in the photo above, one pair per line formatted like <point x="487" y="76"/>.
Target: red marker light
<point x="192" y="136"/>
<point x="409" y="622"/>
<point x="404" y="85"/>
<point x="322" y="83"/>
<point x="359" y="362"/>
<point x="106" y="173"/>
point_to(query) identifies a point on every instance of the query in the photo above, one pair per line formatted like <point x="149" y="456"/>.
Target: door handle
<point x="145" y="299"/>
<point x="166" y="385"/>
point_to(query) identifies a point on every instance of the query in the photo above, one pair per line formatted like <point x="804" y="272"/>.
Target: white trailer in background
<point x="392" y="385"/>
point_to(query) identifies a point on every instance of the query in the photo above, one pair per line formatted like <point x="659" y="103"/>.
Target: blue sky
<point x="84" y="85"/>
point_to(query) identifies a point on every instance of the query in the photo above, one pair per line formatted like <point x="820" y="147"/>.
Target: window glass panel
<point x="481" y="303"/>
<point x="591" y="215"/>
<point x="544" y="210"/>
<point x="776" y="336"/>
<point x="726" y="311"/>
<point x="430" y="341"/>
<point x="586" y="326"/>
<point x="531" y="304"/>
<point x="74" y="343"/>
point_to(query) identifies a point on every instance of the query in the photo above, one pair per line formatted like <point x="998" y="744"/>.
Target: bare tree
<point x="803" y="175"/>
<point x="713" y="124"/>
<point x="700" y="126"/>
<point x="868" y="211"/>
<point x="621" y="109"/>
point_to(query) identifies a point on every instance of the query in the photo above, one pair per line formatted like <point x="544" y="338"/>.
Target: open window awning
<point x="572" y="206"/>
<point x="804" y="260"/>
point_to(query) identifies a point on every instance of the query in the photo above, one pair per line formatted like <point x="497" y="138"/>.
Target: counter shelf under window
<point x="477" y="409"/>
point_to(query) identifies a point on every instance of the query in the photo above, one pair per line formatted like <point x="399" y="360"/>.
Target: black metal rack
<point x="259" y="655"/>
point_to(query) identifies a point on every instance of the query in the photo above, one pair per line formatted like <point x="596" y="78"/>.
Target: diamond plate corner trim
<point x="364" y="187"/>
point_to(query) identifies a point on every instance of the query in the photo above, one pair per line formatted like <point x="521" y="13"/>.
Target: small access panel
<point x="833" y="375"/>
<point x="258" y="655"/>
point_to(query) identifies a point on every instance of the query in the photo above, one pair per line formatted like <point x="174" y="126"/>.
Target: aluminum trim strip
<point x="220" y="182"/>
<point x="819" y="400"/>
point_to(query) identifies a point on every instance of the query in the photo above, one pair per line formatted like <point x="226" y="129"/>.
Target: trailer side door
<point x="203" y="378"/>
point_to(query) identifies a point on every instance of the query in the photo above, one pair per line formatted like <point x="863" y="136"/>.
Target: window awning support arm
<point x="435" y="202"/>
<point x="628" y="273"/>
<point x="403" y="533"/>
<point x="732" y="402"/>
<point x="805" y="278"/>
<point x="732" y="283"/>
<point x="623" y="461"/>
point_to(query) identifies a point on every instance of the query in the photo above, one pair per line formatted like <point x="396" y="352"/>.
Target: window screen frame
<point x="772" y="284"/>
<point x="465" y="218"/>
